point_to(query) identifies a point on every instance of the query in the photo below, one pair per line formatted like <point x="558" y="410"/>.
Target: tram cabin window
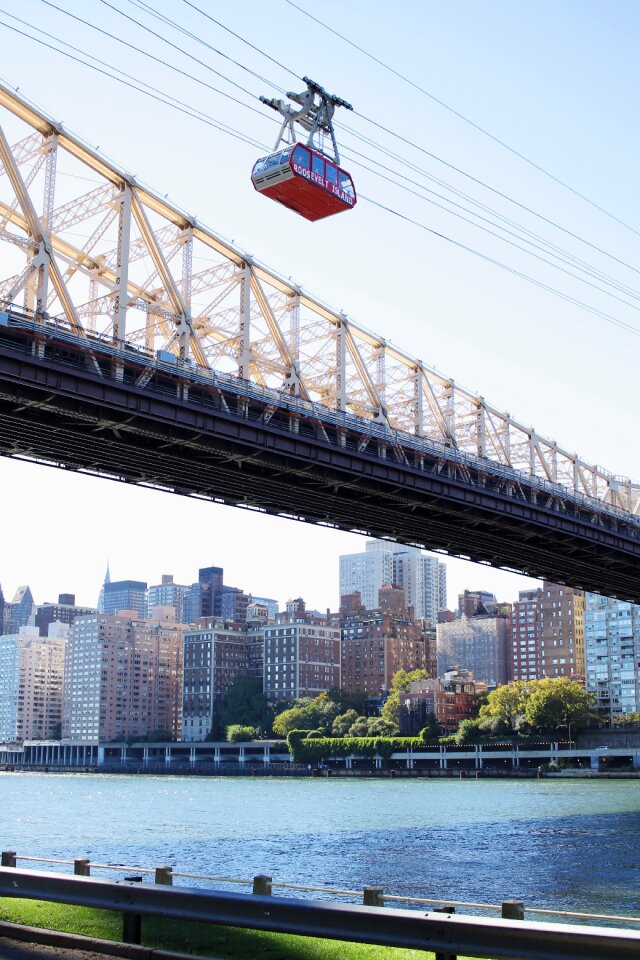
<point x="317" y="165"/>
<point x="346" y="184"/>
<point x="301" y="157"/>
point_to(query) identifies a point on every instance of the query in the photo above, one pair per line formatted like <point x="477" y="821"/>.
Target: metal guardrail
<point x="509" y="909"/>
<point x="445" y="934"/>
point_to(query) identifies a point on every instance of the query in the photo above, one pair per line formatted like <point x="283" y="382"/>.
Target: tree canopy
<point x="559" y="703"/>
<point x="546" y="705"/>
<point x="243" y="703"/>
<point x="399" y="684"/>
<point x="237" y="733"/>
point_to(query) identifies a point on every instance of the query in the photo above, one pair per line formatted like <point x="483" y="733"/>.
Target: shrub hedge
<point x="305" y="746"/>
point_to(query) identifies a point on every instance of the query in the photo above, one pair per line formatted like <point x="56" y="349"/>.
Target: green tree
<point x="506" y="703"/>
<point x="243" y="703"/>
<point x="379" y="727"/>
<point x="402" y="679"/>
<point x="237" y="733"/>
<point x="341" y="724"/>
<point x="346" y="700"/>
<point x="359" y="728"/>
<point x="431" y="729"/>
<point x="468" y="732"/>
<point x="399" y="684"/>
<point x="554" y="704"/>
<point x="296" y="718"/>
<point x="626" y="720"/>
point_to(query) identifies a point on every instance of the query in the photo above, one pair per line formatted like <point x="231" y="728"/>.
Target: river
<point x="563" y="844"/>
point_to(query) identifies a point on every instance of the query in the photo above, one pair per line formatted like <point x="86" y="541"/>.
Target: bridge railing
<point x="446" y="934"/>
<point x="305" y="408"/>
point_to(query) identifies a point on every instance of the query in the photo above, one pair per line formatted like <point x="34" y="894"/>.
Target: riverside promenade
<point x="272" y="757"/>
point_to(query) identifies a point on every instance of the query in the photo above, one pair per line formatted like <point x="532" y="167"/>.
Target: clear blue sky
<point x="557" y="81"/>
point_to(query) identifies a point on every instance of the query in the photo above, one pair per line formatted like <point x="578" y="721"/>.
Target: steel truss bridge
<point x="119" y="357"/>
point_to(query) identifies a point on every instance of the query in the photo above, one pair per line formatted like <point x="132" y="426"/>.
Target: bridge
<point x="119" y="358"/>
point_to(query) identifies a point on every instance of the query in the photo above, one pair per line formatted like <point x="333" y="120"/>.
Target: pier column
<point x="479" y="760"/>
<point x="145" y="756"/>
<point x="100" y="757"/>
<point x="216" y="755"/>
<point x="444" y="760"/>
<point x="192" y="756"/>
<point x="266" y="755"/>
<point x="241" y="755"/>
<point x="167" y="755"/>
<point x="348" y="763"/>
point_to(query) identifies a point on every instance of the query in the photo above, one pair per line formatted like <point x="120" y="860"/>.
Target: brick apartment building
<point x="377" y="643"/>
<point x="301" y="654"/>
<point x="123" y="677"/>
<point x="548" y="633"/>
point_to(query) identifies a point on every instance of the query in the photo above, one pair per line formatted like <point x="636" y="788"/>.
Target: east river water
<point x="564" y="844"/>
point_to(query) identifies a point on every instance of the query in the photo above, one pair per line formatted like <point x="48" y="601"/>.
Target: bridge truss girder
<point x="130" y="279"/>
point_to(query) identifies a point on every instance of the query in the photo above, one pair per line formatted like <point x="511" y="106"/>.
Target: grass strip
<point x="206" y="940"/>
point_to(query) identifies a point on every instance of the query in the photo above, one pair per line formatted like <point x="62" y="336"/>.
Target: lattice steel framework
<point x="133" y="280"/>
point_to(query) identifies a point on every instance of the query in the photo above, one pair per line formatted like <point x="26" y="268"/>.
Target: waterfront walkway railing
<point x="447" y="935"/>
<point x="261" y="884"/>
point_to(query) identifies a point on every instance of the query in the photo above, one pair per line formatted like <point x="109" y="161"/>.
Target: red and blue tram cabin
<point x="305" y="181"/>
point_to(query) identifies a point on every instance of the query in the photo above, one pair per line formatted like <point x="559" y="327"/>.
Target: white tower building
<point x="422" y="577"/>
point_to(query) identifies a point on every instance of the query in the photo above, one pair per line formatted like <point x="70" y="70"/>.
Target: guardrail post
<point x="262" y="885"/>
<point x="131" y="928"/>
<point x="513" y="910"/>
<point x="82" y="866"/>
<point x="373" y="897"/>
<point x="131" y="922"/>
<point x="8" y="858"/>
<point x="445" y="956"/>
<point x="164" y="875"/>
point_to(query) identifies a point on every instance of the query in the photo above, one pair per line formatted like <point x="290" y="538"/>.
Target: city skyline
<point x="80" y="580"/>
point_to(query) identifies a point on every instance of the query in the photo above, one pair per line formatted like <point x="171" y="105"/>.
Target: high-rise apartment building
<point x="612" y="654"/>
<point x="548" y="633"/>
<point x="215" y="656"/>
<point x="168" y="594"/>
<point x="377" y="643"/>
<point x="9" y="684"/>
<point x="526" y="639"/>
<point x="422" y="577"/>
<point x="41" y="684"/>
<point x="301" y="655"/>
<point x="479" y="644"/>
<point x="64" y="611"/>
<point x="123" y="677"/>
<point x="31" y="677"/>
<point x="125" y="595"/>
<point x="210" y="597"/>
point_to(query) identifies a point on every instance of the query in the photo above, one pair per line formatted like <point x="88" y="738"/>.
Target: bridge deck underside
<point x="241" y="452"/>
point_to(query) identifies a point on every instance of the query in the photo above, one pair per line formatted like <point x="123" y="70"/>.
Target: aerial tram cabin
<point x="303" y="176"/>
<point x="305" y="181"/>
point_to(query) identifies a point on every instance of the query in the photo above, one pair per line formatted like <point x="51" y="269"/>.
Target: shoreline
<point x="331" y="774"/>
